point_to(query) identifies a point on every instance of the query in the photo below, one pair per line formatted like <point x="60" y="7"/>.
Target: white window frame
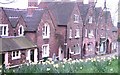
<point x="90" y="19"/>
<point x="86" y="33"/>
<point x="2" y="30"/>
<point x="70" y="33"/>
<point x="46" y="31"/>
<point x="45" y="53"/>
<point x="90" y="35"/>
<point x="77" y="33"/>
<point x="19" y="33"/>
<point x="76" y="18"/>
<point x="16" y="57"/>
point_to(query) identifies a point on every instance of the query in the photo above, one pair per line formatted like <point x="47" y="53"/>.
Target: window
<point x="90" y="19"/>
<point x="45" y="50"/>
<point x="76" y="18"/>
<point x="90" y="35"/>
<point x="46" y="31"/>
<point x="70" y="34"/>
<point x="90" y="46"/>
<point x="21" y="30"/>
<point x="76" y="49"/>
<point x="77" y="33"/>
<point x="3" y="30"/>
<point x="15" y="55"/>
<point x="86" y="33"/>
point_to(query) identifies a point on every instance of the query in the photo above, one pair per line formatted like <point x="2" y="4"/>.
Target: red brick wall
<point x="16" y="61"/>
<point x="74" y="26"/>
<point x="5" y="20"/>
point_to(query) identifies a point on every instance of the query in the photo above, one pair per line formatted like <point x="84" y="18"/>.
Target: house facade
<point x="17" y="50"/>
<point x="60" y="29"/>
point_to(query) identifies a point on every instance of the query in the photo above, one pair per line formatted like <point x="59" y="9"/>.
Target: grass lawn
<point x="90" y="65"/>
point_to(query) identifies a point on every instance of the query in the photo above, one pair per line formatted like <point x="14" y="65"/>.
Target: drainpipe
<point x="82" y="40"/>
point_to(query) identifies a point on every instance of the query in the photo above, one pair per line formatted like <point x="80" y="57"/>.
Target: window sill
<point x="14" y="58"/>
<point x="76" y="54"/>
<point x="77" y="37"/>
<point x="70" y="37"/>
<point x="46" y="37"/>
<point x="76" y="22"/>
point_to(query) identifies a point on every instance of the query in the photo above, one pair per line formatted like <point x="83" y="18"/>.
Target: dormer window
<point x="90" y="19"/>
<point x="3" y="30"/>
<point x="46" y="31"/>
<point x="70" y="33"/>
<point x="21" y="30"/>
<point x="76" y="18"/>
<point x="77" y="33"/>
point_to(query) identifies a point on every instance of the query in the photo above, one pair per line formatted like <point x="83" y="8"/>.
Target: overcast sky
<point x="111" y="4"/>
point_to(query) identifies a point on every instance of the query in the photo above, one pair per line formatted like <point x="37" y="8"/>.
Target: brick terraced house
<point x="58" y="29"/>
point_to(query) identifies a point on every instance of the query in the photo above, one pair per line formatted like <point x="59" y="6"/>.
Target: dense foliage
<point x="89" y="65"/>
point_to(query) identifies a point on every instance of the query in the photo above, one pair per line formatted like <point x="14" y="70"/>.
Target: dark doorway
<point x="107" y="46"/>
<point x="3" y="58"/>
<point x="32" y="55"/>
<point x="68" y="53"/>
<point x="96" y="47"/>
<point x="84" y="50"/>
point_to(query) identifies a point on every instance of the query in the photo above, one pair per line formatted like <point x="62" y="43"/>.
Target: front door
<point x="61" y="56"/>
<point x="32" y="55"/>
<point x="68" y="53"/>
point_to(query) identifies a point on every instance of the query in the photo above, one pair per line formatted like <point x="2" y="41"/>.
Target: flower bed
<point x="90" y="65"/>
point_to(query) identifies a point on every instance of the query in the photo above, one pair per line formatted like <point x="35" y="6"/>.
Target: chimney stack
<point x="32" y="5"/>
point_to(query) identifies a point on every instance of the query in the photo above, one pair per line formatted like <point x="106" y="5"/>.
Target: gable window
<point x="45" y="50"/>
<point x="15" y="55"/>
<point x="46" y="31"/>
<point x="90" y="19"/>
<point x="21" y="30"/>
<point x="76" y="18"/>
<point x="70" y="33"/>
<point x="77" y="33"/>
<point x="3" y="30"/>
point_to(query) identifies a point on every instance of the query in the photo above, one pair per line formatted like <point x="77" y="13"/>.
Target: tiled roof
<point x="83" y="10"/>
<point x="13" y="15"/>
<point x="15" y="43"/>
<point x="34" y="20"/>
<point x="62" y="12"/>
<point x="97" y="13"/>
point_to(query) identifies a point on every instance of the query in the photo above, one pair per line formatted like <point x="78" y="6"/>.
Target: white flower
<point x="73" y="61"/>
<point x="63" y="66"/>
<point x="111" y="69"/>
<point x="50" y="59"/>
<point x="43" y="63"/>
<point x="80" y="60"/>
<point x="117" y="57"/>
<point x="56" y="65"/>
<point x="64" y="60"/>
<point x="69" y="59"/>
<point x="113" y="57"/>
<point x="48" y="69"/>
<point x="81" y="68"/>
